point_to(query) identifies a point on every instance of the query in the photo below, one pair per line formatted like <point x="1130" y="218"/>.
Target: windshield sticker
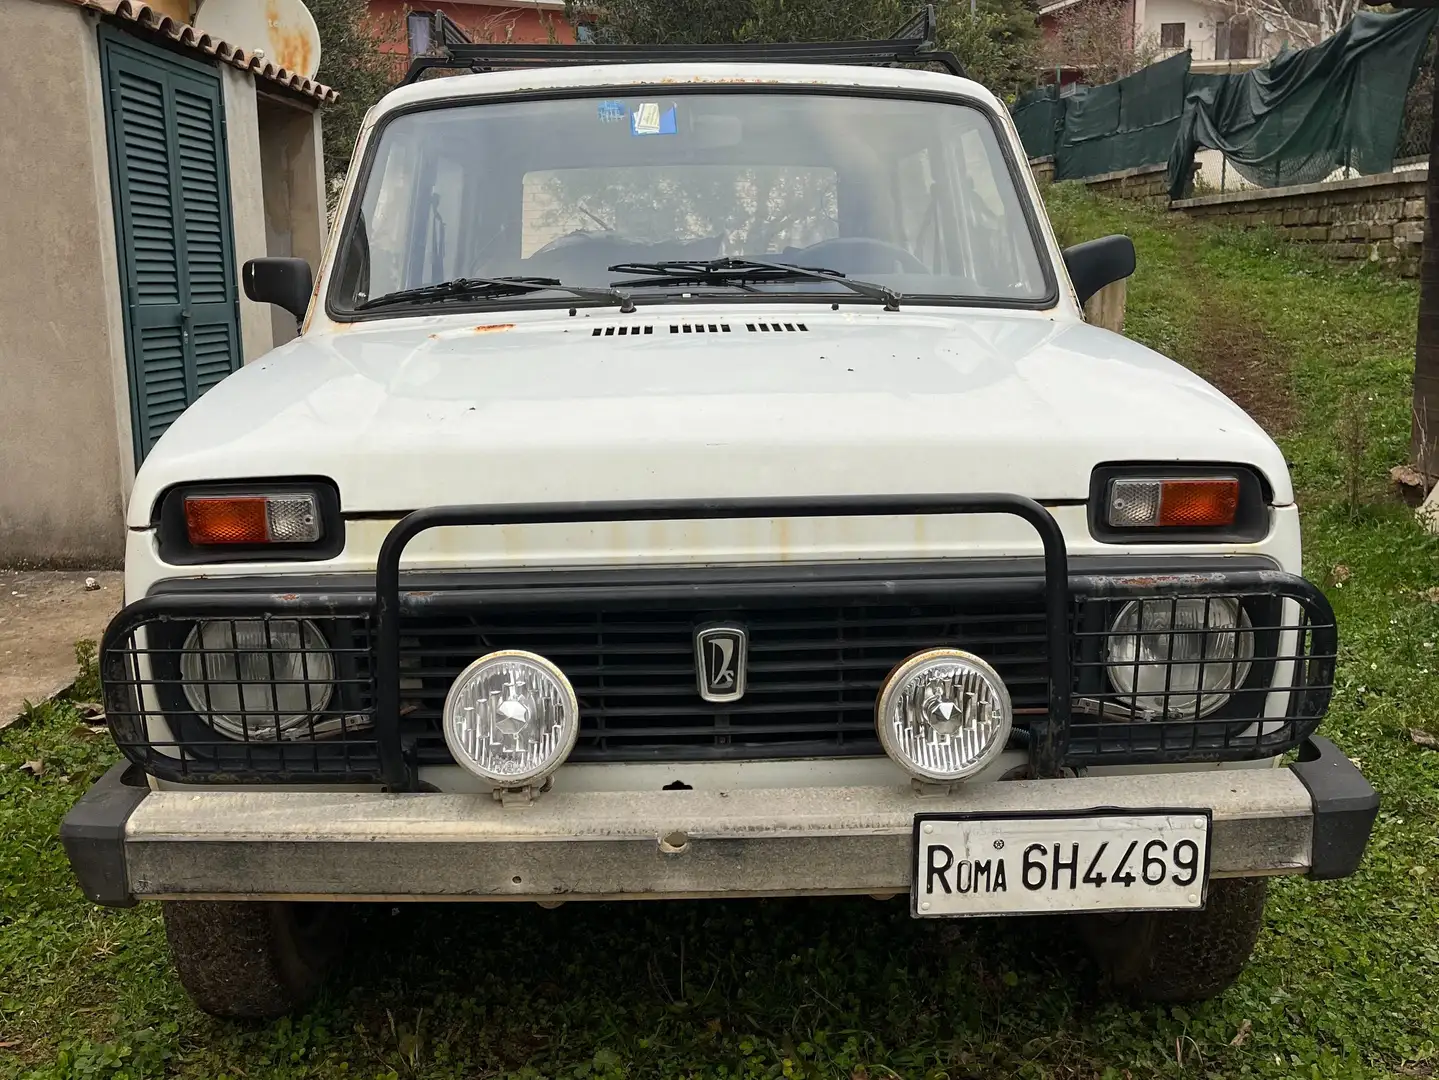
<point x="612" y="112"/>
<point x="649" y="119"/>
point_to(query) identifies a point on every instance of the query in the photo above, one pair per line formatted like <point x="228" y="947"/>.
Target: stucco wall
<point x="64" y="413"/>
<point x="294" y="196"/>
<point x="242" y="138"/>
<point x="1198" y="20"/>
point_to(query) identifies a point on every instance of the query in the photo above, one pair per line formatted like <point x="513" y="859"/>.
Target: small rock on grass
<point x="1422" y="738"/>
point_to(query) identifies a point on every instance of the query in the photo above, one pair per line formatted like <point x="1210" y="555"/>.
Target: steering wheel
<point x="863" y="254"/>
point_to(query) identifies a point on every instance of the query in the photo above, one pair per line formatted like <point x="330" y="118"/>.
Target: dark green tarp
<point x="1123" y="124"/>
<point x="1310" y="111"/>
<point x="1039" y="114"/>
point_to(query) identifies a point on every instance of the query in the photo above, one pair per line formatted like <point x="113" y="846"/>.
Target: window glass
<point x="916" y="195"/>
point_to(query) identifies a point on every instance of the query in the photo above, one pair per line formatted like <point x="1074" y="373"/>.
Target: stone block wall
<point x="1378" y="219"/>
<point x="1149" y="183"/>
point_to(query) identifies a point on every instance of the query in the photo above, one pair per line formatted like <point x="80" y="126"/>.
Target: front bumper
<point x="127" y="842"/>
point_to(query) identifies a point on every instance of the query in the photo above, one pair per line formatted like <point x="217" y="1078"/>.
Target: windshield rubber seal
<point x="1011" y="161"/>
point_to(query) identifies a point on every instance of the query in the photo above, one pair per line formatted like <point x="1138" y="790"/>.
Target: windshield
<point x="913" y="195"/>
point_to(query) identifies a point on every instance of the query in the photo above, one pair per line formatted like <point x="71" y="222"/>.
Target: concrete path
<point x="42" y="614"/>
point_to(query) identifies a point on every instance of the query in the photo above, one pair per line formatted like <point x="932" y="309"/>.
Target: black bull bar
<point x="1049" y="734"/>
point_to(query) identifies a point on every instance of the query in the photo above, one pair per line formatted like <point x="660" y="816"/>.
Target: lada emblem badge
<point x="720" y="657"/>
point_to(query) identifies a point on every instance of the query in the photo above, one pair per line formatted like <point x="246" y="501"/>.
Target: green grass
<point x="1345" y="982"/>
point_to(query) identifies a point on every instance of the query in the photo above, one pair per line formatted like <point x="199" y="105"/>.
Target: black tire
<point x="1171" y="956"/>
<point x="243" y="960"/>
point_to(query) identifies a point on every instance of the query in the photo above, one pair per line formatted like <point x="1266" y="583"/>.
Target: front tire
<point x="243" y="960"/>
<point x="1171" y="956"/>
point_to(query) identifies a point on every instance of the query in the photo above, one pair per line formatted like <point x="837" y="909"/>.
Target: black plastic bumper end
<point x="1345" y="806"/>
<point x="93" y="833"/>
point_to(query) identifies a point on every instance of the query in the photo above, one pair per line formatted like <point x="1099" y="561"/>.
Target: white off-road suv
<point x="696" y="478"/>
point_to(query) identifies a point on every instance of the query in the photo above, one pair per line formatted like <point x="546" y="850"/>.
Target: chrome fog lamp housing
<point x="1180" y="659"/>
<point x="257" y="679"/>
<point x="944" y="714"/>
<point x="511" y="718"/>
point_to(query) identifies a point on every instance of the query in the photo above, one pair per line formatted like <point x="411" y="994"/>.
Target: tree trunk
<point x="1424" y="438"/>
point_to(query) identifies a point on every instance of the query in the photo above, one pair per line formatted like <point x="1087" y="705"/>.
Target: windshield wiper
<point x="732" y="271"/>
<point x="501" y="286"/>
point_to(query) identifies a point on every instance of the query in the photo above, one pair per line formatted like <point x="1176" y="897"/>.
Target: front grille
<point x="821" y="642"/>
<point x="813" y="675"/>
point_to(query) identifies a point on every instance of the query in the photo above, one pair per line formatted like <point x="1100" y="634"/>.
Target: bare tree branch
<point x="1302" y="22"/>
<point x="1098" y="38"/>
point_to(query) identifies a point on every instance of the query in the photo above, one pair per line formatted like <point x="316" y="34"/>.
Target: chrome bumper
<point x="127" y="842"/>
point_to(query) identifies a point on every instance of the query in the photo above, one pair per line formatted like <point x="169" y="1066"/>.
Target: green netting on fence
<point x="1297" y="119"/>
<point x="1123" y="124"/>
<point x="1039" y="115"/>
<point x="1309" y="111"/>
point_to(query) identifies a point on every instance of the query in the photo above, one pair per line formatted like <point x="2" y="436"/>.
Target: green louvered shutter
<point x="173" y="226"/>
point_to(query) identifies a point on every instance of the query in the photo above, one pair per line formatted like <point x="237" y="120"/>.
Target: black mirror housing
<point x="1096" y="263"/>
<point x="286" y="283"/>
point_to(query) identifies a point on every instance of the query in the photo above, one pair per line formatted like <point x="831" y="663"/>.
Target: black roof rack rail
<point x="914" y="43"/>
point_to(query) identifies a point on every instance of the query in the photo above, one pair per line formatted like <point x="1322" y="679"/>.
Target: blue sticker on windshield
<point x="649" y="119"/>
<point x="612" y="112"/>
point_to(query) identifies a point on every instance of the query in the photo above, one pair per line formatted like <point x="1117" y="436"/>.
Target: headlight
<point x="257" y="679"/>
<point x="1157" y="645"/>
<point x="943" y="714"/>
<point x="511" y="717"/>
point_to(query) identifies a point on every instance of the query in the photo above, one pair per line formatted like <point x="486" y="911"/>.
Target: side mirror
<point x="1096" y="263"/>
<point x="286" y="283"/>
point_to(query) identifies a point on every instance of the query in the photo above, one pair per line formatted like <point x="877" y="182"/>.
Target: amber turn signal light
<point x="252" y="519"/>
<point x="1173" y="504"/>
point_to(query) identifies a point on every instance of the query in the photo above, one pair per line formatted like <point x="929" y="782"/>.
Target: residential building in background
<point x="410" y="28"/>
<point x="1218" y="37"/>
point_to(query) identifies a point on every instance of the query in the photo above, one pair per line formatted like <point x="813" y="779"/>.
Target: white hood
<point x="416" y="412"/>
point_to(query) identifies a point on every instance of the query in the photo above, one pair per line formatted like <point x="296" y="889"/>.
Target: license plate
<point x="1092" y="860"/>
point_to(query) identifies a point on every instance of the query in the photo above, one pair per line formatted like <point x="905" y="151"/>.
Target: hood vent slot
<point x="621" y="331"/>
<point x="700" y="328"/>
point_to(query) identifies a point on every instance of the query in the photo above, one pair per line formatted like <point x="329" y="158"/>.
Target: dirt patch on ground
<point x="42" y="614"/>
<point x="1238" y="357"/>
<point x="1231" y="349"/>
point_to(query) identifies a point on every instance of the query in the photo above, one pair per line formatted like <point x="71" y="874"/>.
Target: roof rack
<point x="913" y="43"/>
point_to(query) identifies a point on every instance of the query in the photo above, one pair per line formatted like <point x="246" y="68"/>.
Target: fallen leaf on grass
<point x="1340" y="574"/>
<point x="8" y="1045"/>
<point x="1243" y="1034"/>
<point x="1432" y="594"/>
<point x="1424" y="739"/>
<point x="92" y="712"/>
<point x="34" y="768"/>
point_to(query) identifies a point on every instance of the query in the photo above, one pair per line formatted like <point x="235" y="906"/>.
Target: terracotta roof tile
<point x="191" y="38"/>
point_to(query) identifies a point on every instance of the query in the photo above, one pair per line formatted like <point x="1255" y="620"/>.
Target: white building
<point x="1218" y="38"/>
